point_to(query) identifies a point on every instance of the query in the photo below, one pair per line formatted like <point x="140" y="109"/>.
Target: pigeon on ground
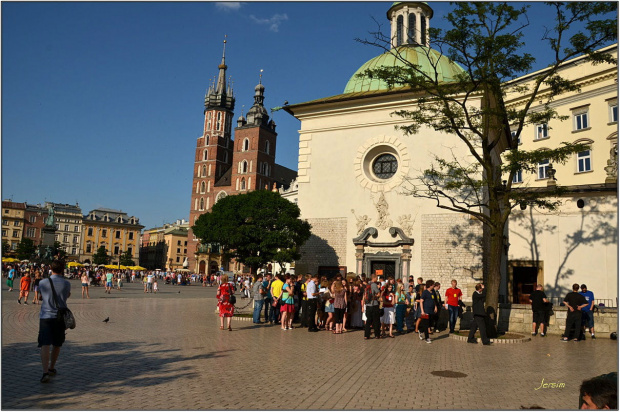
<point x="106" y="320"/>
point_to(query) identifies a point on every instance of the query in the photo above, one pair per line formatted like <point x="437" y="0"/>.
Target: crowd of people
<point x="389" y="307"/>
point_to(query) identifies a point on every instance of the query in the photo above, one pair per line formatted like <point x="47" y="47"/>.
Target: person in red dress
<point x="223" y="301"/>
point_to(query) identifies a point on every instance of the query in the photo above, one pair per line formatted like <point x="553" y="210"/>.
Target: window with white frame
<point x="584" y="161"/>
<point x="517" y="177"/>
<point x="613" y="113"/>
<point x="581" y="120"/>
<point x="31" y="232"/>
<point x="65" y="238"/>
<point x="73" y="251"/>
<point x="246" y="145"/>
<point x="513" y="135"/>
<point x="16" y="233"/>
<point x="75" y="239"/>
<point x="542" y="131"/>
<point x="33" y="219"/>
<point x="543" y="168"/>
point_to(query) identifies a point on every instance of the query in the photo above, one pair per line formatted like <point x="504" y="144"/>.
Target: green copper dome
<point x="418" y="55"/>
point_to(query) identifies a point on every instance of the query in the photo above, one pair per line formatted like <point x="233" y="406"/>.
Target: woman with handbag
<point x="401" y="308"/>
<point x="389" y="315"/>
<point x="287" y="308"/>
<point x="224" y="304"/>
<point x="340" y="304"/>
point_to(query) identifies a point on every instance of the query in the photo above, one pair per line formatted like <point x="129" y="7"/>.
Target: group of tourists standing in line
<point x="388" y="307"/>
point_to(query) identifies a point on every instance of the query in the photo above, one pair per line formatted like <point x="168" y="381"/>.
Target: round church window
<point x="385" y="166"/>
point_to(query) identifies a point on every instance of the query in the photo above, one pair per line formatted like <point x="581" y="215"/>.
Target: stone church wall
<point x="451" y="248"/>
<point x="326" y="247"/>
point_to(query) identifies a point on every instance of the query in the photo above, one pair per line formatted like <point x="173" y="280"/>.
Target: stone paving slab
<point x="165" y="351"/>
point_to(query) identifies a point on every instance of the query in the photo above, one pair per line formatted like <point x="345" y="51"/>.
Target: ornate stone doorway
<point x="394" y="258"/>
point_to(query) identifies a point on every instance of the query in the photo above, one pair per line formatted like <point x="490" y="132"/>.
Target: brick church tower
<point x="225" y="167"/>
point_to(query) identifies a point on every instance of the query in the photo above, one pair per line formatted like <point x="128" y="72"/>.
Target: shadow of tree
<point x="105" y="368"/>
<point x="595" y="228"/>
<point x="466" y="239"/>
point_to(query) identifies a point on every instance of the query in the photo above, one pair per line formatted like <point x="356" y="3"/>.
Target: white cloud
<point x="273" y="22"/>
<point x="228" y="5"/>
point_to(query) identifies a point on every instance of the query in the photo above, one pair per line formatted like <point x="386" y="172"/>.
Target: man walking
<point x="438" y="306"/>
<point x="258" y="292"/>
<point x="51" y="329"/>
<point x="371" y="300"/>
<point x="453" y="297"/>
<point x="311" y="295"/>
<point x="574" y="303"/>
<point x="587" y="316"/>
<point x="539" y="312"/>
<point x="479" y="316"/>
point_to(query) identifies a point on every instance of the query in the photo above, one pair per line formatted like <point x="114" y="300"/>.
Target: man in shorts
<point x="538" y="300"/>
<point x="587" y="316"/>
<point x="24" y="288"/>
<point x="51" y="329"/>
<point x="108" y="282"/>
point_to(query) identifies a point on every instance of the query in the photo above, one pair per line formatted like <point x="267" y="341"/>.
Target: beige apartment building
<point x="13" y="221"/>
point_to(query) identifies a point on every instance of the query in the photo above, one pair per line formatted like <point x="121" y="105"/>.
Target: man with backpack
<point x="371" y="300"/>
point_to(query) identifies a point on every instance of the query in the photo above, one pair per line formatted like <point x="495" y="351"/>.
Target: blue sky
<point x="102" y="102"/>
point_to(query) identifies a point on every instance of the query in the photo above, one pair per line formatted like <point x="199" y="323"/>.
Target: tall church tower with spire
<point x="213" y="155"/>
<point x="225" y="167"/>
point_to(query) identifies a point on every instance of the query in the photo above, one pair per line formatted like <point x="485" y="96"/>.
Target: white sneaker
<point x="421" y="335"/>
<point x="428" y="340"/>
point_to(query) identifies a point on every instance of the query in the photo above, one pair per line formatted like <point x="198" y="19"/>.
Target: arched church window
<point x="244" y="167"/>
<point x="205" y="155"/>
<point x="385" y="166"/>
<point x="209" y="121"/>
<point x="411" y="30"/>
<point x="246" y="145"/>
<point x="423" y="30"/>
<point x="243" y="183"/>
<point x="202" y="187"/>
<point x="267" y="147"/>
<point x="202" y="203"/>
<point x="399" y="30"/>
<point x="204" y="171"/>
<point x="207" y="140"/>
<point x="219" y="120"/>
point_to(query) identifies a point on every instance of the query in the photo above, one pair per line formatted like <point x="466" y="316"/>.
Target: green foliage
<point x="58" y="251"/>
<point x="126" y="259"/>
<point x="6" y="248"/>
<point x="254" y="228"/>
<point x="486" y="40"/>
<point x="25" y="249"/>
<point x="101" y="256"/>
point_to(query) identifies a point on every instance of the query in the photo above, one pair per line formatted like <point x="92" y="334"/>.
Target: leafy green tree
<point x="6" y="247"/>
<point x="58" y="251"/>
<point x="254" y="228"/>
<point x="25" y="249"/>
<point x="101" y="257"/>
<point x="126" y="259"/>
<point x="486" y="40"/>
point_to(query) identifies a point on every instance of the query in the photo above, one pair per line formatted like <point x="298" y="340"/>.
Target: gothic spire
<point x="221" y="78"/>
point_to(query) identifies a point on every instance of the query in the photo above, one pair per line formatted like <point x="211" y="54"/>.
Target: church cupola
<point x="409" y="22"/>
<point x="257" y="115"/>
<point x="220" y="95"/>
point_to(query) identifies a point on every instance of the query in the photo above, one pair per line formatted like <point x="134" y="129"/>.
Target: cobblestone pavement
<point x="166" y="351"/>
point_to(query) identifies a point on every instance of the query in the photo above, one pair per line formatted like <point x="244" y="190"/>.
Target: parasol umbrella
<point x="9" y="260"/>
<point x="74" y="264"/>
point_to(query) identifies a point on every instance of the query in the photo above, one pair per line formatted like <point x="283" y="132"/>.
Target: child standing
<point x="155" y="288"/>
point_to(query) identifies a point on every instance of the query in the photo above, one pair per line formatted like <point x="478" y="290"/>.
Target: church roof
<point x="426" y="59"/>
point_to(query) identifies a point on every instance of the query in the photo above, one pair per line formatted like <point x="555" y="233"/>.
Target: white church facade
<point x="355" y="167"/>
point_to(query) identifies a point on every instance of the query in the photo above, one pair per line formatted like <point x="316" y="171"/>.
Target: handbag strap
<point x="54" y="293"/>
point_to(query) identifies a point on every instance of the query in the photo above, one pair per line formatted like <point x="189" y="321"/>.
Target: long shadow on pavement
<point x="112" y="367"/>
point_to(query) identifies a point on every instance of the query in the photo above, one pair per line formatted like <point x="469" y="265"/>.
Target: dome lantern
<point x="409" y="23"/>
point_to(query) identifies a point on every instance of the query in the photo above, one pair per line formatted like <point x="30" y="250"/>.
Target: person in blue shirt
<point x="587" y="316"/>
<point x="9" y="281"/>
